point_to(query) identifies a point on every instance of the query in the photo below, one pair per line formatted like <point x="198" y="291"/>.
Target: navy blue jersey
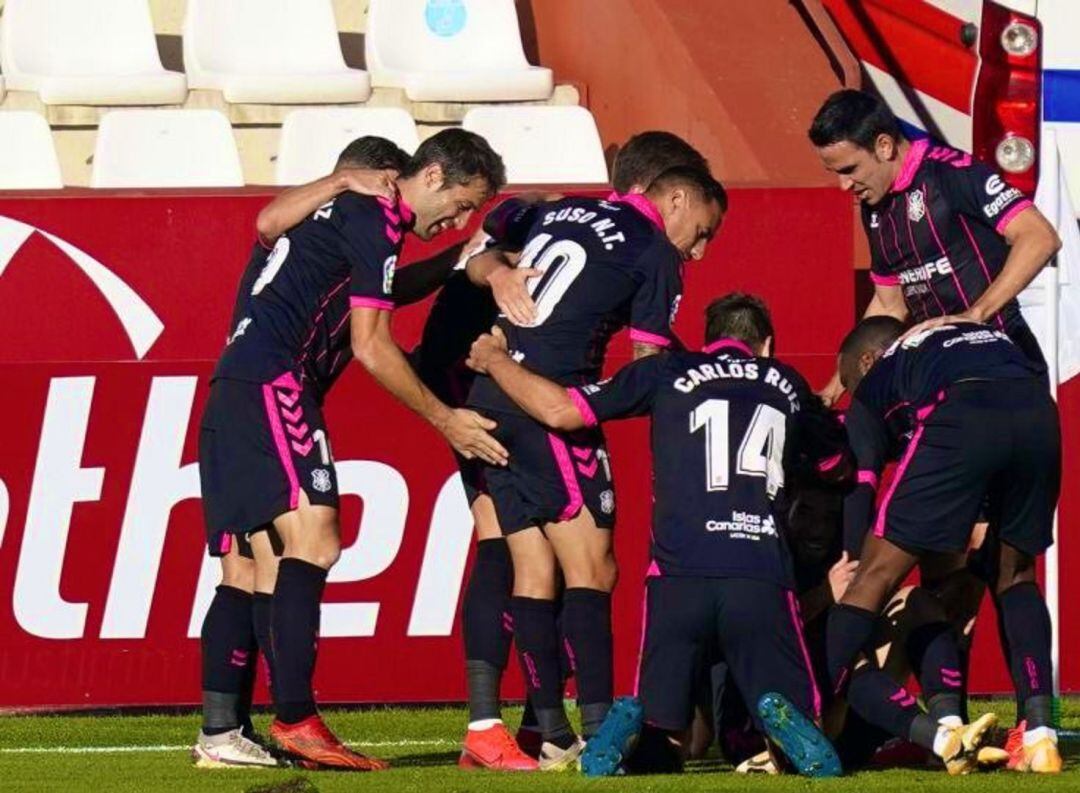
<point x="903" y="388"/>
<point x="938" y="233"/>
<point x="606" y="264"/>
<point x="295" y="315"/>
<point x="727" y="428"/>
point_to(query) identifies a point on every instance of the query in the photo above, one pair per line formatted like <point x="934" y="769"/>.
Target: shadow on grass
<point x="426" y="760"/>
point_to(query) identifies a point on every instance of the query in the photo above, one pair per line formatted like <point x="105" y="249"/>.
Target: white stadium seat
<point x="2" y="88"/>
<point x="269" y="52"/>
<point x="74" y="52"/>
<point x="27" y="155"/>
<point x="165" y="148"/>
<point x="542" y="144"/>
<point x="452" y="50"/>
<point x="312" y="139"/>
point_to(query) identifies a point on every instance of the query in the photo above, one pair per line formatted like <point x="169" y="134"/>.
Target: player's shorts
<point x="753" y="624"/>
<point x="993" y="440"/>
<point x="259" y="446"/>
<point x="550" y="478"/>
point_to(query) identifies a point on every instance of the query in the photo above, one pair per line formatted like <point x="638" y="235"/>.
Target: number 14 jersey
<point x="727" y="429"/>
<point x="606" y="264"/>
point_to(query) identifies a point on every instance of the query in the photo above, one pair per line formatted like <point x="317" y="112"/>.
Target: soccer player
<point x="982" y="427"/>
<point x="949" y="239"/>
<point x="462" y="311"/>
<point x="324" y="296"/>
<point x="237" y="623"/>
<point x="606" y="264"/>
<point x="727" y="423"/>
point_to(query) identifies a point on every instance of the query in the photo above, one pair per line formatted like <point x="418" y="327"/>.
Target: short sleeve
<point x="875" y="223"/>
<point x="509" y="223"/>
<point x="869" y="441"/>
<point x="630" y="392"/>
<point x="652" y="312"/>
<point x="980" y="193"/>
<point x="817" y="442"/>
<point x="371" y="233"/>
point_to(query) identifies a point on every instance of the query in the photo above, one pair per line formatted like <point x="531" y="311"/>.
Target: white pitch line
<point x="182" y="747"/>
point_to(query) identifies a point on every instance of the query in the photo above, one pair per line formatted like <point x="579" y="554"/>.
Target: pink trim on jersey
<point x="371" y="302"/>
<point x="725" y="343"/>
<point x="796" y="622"/>
<point x="225" y="543"/>
<point x="583" y="407"/>
<point x="287" y="380"/>
<point x="885" y="280"/>
<point x="912" y="160"/>
<point x="281" y="443"/>
<point x="982" y="262"/>
<point x="865" y="477"/>
<point x="909" y="453"/>
<point x="641" y="204"/>
<point x="941" y="247"/>
<point x="646" y="337"/>
<point x="1015" y="210"/>
<point x="574" y="500"/>
<point x="829" y="463"/>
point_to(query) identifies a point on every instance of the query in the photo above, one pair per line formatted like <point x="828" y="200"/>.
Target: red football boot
<point x="494" y="749"/>
<point x="311" y="741"/>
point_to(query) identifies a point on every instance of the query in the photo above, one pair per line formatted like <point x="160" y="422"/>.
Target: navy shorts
<point x="259" y="446"/>
<point x="551" y="476"/>
<point x="997" y="442"/>
<point x="752" y="625"/>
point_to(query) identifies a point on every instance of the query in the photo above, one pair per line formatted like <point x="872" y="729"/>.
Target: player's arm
<point x="376" y="350"/>
<point x="869" y="441"/>
<point x="629" y="393"/>
<point x="816" y="600"/>
<point x="656" y="301"/>
<point x="817" y="442"/>
<point x="291" y="206"/>
<point x="418" y="280"/>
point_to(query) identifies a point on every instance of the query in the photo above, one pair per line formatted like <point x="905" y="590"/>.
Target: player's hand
<point x="840" y="576"/>
<point x="511" y="296"/>
<point x="467" y="432"/>
<point x="485" y="349"/>
<point x="832" y="392"/>
<point x="937" y="322"/>
<point x="366" y="181"/>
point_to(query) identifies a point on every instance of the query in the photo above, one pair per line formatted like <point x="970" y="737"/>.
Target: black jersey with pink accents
<point x="938" y="234"/>
<point x="727" y="428"/>
<point x="607" y="264"/>
<point x="294" y="316"/>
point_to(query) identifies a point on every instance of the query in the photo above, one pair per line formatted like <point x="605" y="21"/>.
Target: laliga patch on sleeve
<point x="445" y="18"/>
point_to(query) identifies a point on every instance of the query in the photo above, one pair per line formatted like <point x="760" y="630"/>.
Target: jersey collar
<point x="725" y="343"/>
<point x="912" y="160"/>
<point x="641" y="204"/>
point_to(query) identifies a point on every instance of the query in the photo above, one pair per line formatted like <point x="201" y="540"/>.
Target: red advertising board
<point x="113" y="309"/>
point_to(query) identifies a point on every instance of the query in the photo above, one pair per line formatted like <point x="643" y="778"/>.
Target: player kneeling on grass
<point x="725" y="422"/>
<point x="982" y="428"/>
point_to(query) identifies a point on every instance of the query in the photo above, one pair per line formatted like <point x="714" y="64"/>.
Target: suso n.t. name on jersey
<point x="726" y="428"/>
<point x="938" y="233"/>
<point x="294" y="316"/>
<point x="605" y="264"/>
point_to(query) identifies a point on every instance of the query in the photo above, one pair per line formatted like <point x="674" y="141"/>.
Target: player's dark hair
<point x="648" y="154"/>
<point x="374" y="152"/>
<point x="462" y="155"/>
<point x="695" y="179"/>
<point x="871" y="334"/>
<point x="738" y="315"/>
<point x="853" y="116"/>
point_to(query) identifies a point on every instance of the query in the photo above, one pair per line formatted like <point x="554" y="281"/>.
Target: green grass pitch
<point x="149" y="753"/>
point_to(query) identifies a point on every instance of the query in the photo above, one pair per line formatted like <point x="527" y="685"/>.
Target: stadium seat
<point x="269" y="52"/>
<point x="74" y="52"/>
<point x="27" y="155"/>
<point x="165" y="148"/>
<point x="542" y="144"/>
<point x="452" y="51"/>
<point x="311" y="140"/>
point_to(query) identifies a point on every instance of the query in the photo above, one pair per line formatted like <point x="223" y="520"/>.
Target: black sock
<point x="261" y="608"/>
<point x="294" y="624"/>
<point x="537" y="641"/>
<point x="586" y="625"/>
<point x="963" y="646"/>
<point x="228" y="644"/>
<point x="879" y="700"/>
<point x="847" y="631"/>
<point x="934" y="653"/>
<point x="1027" y="624"/>
<point x="528" y="717"/>
<point x="487" y="626"/>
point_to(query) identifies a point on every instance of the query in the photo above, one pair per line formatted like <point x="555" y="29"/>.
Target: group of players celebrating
<point x="775" y="622"/>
